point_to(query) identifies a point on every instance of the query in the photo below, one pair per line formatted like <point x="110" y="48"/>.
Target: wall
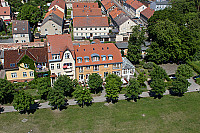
<point x="20" y="74"/>
<point x="94" y="32"/>
<point x="59" y="8"/>
<point x="5" y="17"/>
<point x="20" y="38"/>
<point x="50" y="29"/>
<point x="140" y="9"/>
<point x="126" y="27"/>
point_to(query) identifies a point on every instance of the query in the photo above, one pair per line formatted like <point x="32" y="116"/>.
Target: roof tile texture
<point x="134" y="3"/>
<point x="85" y="5"/>
<point x="4" y="11"/>
<point x="60" y="3"/>
<point x="20" y="27"/>
<point x="148" y="12"/>
<point x="55" y="11"/>
<point x="114" y="13"/>
<point x="87" y="12"/>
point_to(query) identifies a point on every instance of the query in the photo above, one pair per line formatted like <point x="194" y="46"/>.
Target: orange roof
<point x="90" y="22"/>
<point x="107" y="4"/>
<point x="55" y="11"/>
<point x="60" y="3"/>
<point x="85" y="5"/>
<point x="134" y="3"/>
<point x="87" y="12"/>
<point x="57" y="44"/>
<point x="148" y="12"/>
<point x="101" y="49"/>
<point x="114" y="13"/>
<point x="4" y="11"/>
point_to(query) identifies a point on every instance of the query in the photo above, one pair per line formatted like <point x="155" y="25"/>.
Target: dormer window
<point x="25" y="65"/>
<point x="103" y="57"/>
<point x="4" y="11"/>
<point x="86" y="59"/>
<point x="79" y="59"/>
<point x="23" y="28"/>
<point x="55" y="56"/>
<point x="15" y="28"/>
<point x="95" y="57"/>
<point x="110" y="57"/>
<point x="12" y="65"/>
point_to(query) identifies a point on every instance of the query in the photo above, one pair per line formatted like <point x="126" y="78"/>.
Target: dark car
<point x="172" y="76"/>
<point x="195" y="77"/>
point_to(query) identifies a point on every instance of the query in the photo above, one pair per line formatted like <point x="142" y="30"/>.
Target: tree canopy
<point x="158" y="87"/>
<point x="185" y="71"/>
<point x="43" y="87"/>
<point x="95" y="82"/>
<point x="158" y="73"/>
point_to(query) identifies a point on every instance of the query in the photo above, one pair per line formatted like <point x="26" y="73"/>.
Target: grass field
<point x="169" y="114"/>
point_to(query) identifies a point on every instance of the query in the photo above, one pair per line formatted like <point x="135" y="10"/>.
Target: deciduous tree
<point x="185" y="71"/>
<point x="43" y="87"/>
<point x="158" y="87"/>
<point x="95" y="82"/>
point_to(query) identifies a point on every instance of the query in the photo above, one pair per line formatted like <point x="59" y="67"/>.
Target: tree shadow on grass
<point x="32" y="110"/>
<point x="171" y="92"/>
<point x="153" y="94"/>
<point x="1" y="109"/>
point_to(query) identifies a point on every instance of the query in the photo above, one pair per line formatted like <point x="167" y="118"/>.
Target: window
<point x="125" y="71"/>
<point x="53" y="25"/>
<point x="96" y="58"/>
<point x="66" y="55"/>
<point x="25" y="65"/>
<point x="24" y="74"/>
<point x="96" y="68"/>
<point x="116" y="73"/>
<point x="87" y="67"/>
<point x="90" y="28"/>
<point x="81" y="77"/>
<point x="87" y="76"/>
<point x="59" y="74"/>
<point x="81" y="28"/>
<point x="58" y="66"/>
<point x="110" y="58"/>
<point x="85" y="28"/>
<point x="86" y="59"/>
<point x="16" y="35"/>
<point x="55" y="57"/>
<point x="14" y="75"/>
<point x="103" y="58"/>
<point x="116" y="66"/>
<point x="104" y="28"/>
<point x="81" y="34"/>
<point x="12" y="65"/>
<point x="23" y="28"/>
<point x="22" y="35"/>
<point x="79" y="60"/>
<point x="95" y="33"/>
<point x="52" y="66"/>
<point x="76" y="28"/>
<point x="80" y="69"/>
<point x="15" y="28"/>
<point x="45" y="29"/>
<point x="105" y="74"/>
<point x="106" y="66"/>
<point x="31" y="74"/>
<point x="99" y="28"/>
<point x="95" y="28"/>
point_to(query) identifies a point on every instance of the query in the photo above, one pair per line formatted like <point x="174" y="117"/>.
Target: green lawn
<point x="169" y="114"/>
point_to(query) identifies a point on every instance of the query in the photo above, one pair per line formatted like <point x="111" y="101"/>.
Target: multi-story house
<point x="134" y="7"/>
<point x="58" y="4"/>
<point x="21" y="31"/>
<point x="160" y="4"/>
<point x="53" y="23"/>
<point x="97" y="58"/>
<point x="4" y="3"/>
<point x="85" y="5"/>
<point x="107" y="6"/>
<point x="61" y="56"/>
<point x="20" y="64"/>
<point x="70" y="3"/>
<point x="90" y="27"/>
<point x="5" y="13"/>
<point x="146" y="14"/>
<point x="87" y="12"/>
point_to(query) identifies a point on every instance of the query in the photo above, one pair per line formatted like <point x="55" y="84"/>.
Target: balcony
<point x="40" y="68"/>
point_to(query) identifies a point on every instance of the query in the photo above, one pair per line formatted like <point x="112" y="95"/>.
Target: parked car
<point x="172" y="76"/>
<point x="195" y="77"/>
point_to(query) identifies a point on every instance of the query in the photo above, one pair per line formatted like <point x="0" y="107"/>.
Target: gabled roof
<point x="53" y="17"/>
<point x="122" y="45"/>
<point x="14" y="56"/>
<point x="105" y="49"/>
<point x="85" y="5"/>
<point x="57" y="44"/>
<point x="90" y="22"/>
<point x="60" y="3"/>
<point x="121" y="18"/>
<point x="83" y="12"/>
<point x="148" y="12"/>
<point x="107" y="4"/>
<point x="127" y="64"/>
<point x="134" y="3"/>
<point x="20" y="27"/>
<point x="5" y="11"/>
<point x="55" y="11"/>
<point x="114" y="13"/>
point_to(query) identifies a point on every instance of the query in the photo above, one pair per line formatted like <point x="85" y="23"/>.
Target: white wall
<point x="57" y="7"/>
<point x="51" y="30"/>
<point x="21" y="38"/>
<point x="140" y="9"/>
<point x="126" y="27"/>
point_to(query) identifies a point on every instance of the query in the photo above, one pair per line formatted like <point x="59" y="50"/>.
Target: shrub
<point x="198" y="81"/>
<point x="148" y="65"/>
<point x="195" y="67"/>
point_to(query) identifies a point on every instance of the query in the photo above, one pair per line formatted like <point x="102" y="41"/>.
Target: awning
<point x="39" y="66"/>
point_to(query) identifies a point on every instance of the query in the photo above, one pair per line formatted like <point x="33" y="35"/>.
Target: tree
<point x="185" y="71"/>
<point x="22" y="101"/>
<point x="158" y="87"/>
<point x="64" y="84"/>
<point x="133" y="89"/>
<point x="6" y="91"/>
<point x="43" y="87"/>
<point x="180" y="86"/>
<point x="113" y="86"/>
<point x="136" y="40"/>
<point x="56" y="98"/>
<point x="158" y="73"/>
<point x="141" y="78"/>
<point x="29" y="12"/>
<point x="95" y="82"/>
<point x="82" y="95"/>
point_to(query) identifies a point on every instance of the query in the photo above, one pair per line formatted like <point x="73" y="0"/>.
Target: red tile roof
<point x="5" y="11"/>
<point x="57" y="44"/>
<point x="100" y="49"/>
<point x="87" y="12"/>
<point x="148" y="12"/>
<point x="90" y="22"/>
<point x="55" y="11"/>
<point x="114" y="13"/>
<point x="134" y="3"/>
<point x="39" y="55"/>
<point x="85" y="5"/>
<point x="107" y="4"/>
<point x="60" y="3"/>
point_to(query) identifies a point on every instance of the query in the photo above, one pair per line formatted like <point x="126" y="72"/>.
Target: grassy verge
<point x="169" y="114"/>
